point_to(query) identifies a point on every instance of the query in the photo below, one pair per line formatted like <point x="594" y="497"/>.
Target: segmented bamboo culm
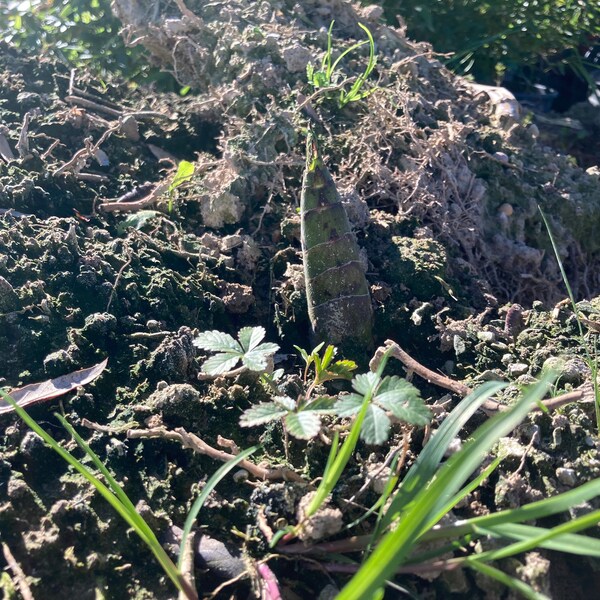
<point x="339" y="303"/>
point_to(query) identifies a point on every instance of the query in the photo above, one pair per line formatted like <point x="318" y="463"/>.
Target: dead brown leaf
<point x="51" y="388"/>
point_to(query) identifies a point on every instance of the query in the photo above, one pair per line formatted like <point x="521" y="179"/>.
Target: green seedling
<point x="431" y="488"/>
<point x="253" y="355"/>
<point x="302" y="417"/>
<point x="185" y="171"/>
<point x="327" y="77"/>
<point x="393" y="396"/>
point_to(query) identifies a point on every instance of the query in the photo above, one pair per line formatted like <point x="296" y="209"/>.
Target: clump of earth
<point x="442" y="185"/>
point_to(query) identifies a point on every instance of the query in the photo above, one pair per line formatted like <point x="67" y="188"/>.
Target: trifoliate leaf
<point x="365" y="383"/>
<point x="376" y="426"/>
<point x="349" y="405"/>
<point x="250" y="337"/>
<point x="262" y="413"/>
<point x="217" y="341"/>
<point x="220" y="363"/>
<point x="303" y="425"/>
<point x="285" y="402"/>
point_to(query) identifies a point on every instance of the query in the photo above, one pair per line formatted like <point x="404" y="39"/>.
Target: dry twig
<point x="17" y="572"/>
<point x="490" y="407"/>
<point x="192" y="441"/>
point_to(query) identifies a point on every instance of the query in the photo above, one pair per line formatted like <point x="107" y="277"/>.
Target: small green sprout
<point x="302" y="417"/>
<point x="253" y="355"/>
<point x="185" y="171"/>
<point x="326" y="76"/>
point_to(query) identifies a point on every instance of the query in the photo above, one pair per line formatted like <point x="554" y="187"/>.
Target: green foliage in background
<point x="79" y="33"/>
<point x="489" y="37"/>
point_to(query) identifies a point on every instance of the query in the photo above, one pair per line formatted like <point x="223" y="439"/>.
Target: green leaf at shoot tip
<point x="185" y="171"/>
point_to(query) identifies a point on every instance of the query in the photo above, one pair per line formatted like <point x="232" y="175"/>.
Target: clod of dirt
<point x="327" y="521"/>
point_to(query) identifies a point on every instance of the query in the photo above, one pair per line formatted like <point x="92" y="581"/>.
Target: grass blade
<point x="217" y="476"/>
<point x="431" y="456"/>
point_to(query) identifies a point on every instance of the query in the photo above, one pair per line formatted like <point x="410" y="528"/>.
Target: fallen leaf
<point x="51" y="388"/>
<point x="5" y="151"/>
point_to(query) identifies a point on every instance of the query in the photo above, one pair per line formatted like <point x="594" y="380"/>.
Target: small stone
<point x="566" y="476"/>
<point x="296" y="58"/>
<point x="459" y="345"/>
<point x="486" y="336"/>
<point x="58" y="363"/>
<point x="152" y="325"/>
<point x="327" y="521"/>
<point x="517" y="369"/>
<point x="501" y="156"/>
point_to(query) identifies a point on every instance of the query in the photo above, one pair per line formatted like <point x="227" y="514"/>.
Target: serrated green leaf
<point x="327" y="356"/>
<point x="348" y="406"/>
<point x="258" y="359"/>
<point x="285" y="402"/>
<point x="365" y="383"/>
<point x="250" y="337"/>
<point x="303" y="425"/>
<point x="395" y="393"/>
<point x="220" y="363"/>
<point x="341" y="369"/>
<point x="376" y="426"/>
<point x="255" y="361"/>
<point x="217" y="341"/>
<point x="267" y="348"/>
<point x="262" y="413"/>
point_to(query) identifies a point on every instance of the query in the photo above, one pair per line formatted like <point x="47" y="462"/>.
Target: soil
<point x="442" y="187"/>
